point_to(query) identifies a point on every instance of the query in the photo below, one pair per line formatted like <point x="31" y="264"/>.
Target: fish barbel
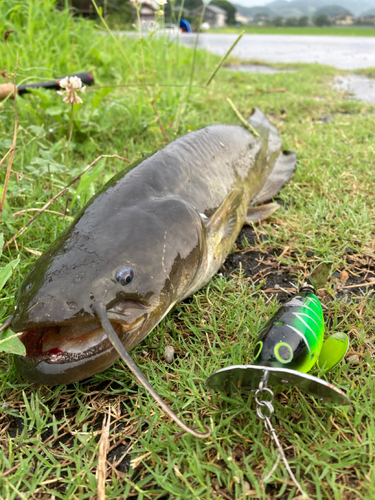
<point x="150" y="237"/>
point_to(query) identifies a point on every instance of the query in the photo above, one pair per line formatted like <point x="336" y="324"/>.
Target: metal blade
<point x="247" y="378"/>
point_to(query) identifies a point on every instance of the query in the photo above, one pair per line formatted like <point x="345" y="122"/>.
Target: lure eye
<point x="283" y="352"/>
<point x="124" y="276"/>
<point x="258" y="349"/>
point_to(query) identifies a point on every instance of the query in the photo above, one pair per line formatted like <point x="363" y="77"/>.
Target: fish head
<point x="136" y="261"/>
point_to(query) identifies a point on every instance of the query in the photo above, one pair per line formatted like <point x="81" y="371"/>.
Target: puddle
<point x="359" y="86"/>
<point x="257" y="68"/>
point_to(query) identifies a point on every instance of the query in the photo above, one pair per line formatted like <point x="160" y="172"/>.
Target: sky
<point x="253" y="3"/>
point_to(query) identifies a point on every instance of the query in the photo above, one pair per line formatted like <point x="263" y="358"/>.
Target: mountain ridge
<point x="304" y="7"/>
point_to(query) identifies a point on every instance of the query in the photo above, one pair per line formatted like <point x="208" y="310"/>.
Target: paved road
<point x="344" y="52"/>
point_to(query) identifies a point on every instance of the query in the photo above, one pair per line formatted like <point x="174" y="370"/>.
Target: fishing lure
<point x="288" y="346"/>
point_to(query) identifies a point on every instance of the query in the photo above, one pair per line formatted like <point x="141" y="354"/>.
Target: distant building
<point x="342" y="19"/>
<point x="213" y="15"/>
<point x="367" y="19"/>
<point x="184" y="12"/>
<point x="146" y="13"/>
<point x="261" y="19"/>
<point x="240" y="18"/>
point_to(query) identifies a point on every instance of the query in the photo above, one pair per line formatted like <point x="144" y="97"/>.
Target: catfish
<point x="152" y="236"/>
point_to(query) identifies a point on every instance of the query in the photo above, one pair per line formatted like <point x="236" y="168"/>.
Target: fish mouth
<point x="61" y="344"/>
<point x="66" y="353"/>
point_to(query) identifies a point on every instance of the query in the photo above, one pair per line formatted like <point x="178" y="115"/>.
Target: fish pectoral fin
<point x="333" y="351"/>
<point x="281" y="172"/>
<point x="262" y="212"/>
<point x="224" y="221"/>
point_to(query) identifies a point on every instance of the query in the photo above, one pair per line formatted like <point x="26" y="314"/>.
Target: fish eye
<point x="124" y="276"/>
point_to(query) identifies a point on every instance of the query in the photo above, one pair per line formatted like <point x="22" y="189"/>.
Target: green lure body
<point x="288" y="346"/>
<point x="293" y="337"/>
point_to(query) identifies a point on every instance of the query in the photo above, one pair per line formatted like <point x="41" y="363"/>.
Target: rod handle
<point x="5" y="90"/>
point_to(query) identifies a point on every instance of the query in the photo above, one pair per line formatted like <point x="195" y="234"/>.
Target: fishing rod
<point x="7" y="89"/>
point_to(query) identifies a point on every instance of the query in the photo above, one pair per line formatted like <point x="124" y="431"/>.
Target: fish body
<point x="150" y="237"/>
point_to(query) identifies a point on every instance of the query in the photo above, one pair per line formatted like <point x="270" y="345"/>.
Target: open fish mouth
<point x="65" y="343"/>
<point x="63" y="354"/>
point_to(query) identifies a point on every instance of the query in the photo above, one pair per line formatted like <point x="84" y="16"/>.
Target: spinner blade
<point x="247" y="378"/>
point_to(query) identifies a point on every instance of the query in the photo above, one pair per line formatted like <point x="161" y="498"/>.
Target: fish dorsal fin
<point x="260" y="212"/>
<point x="224" y="221"/>
<point x="281" y="172"/>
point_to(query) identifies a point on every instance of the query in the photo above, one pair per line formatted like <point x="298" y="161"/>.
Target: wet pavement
<point x="343" y="52"/>
<point x="358" y="86"/>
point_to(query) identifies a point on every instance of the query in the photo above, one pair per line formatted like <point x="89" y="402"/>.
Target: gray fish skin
<point x="173" y="219"/>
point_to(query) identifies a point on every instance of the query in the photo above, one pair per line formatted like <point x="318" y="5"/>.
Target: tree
<point x="303" y="21"/>
<point x="117" y="10"/>
<point x="278" y="21"/>
<point x="291" y="21"/>
<point x="190" y="4"/>
<point x="228" y="7"/>
<point x="322" y="20"/>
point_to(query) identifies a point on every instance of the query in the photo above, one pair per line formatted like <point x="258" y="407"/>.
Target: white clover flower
<point x="161" y="2"/>
<point x="72" y="85"/>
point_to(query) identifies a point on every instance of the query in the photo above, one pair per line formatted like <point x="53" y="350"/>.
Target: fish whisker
<point x="6" y="323"/>
<point x="101" y="313"/>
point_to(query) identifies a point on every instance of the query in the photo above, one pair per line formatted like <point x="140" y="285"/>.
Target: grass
<point x="308" y="30"/>
<point x="49" y="436"/>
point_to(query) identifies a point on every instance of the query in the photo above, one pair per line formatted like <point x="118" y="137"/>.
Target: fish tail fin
<point x="280" y="174"/>
<point x="261" y="123"/>
<point x="284" y="163"/>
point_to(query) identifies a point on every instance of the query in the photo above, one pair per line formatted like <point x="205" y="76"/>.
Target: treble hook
<point x="269" y="427"/>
